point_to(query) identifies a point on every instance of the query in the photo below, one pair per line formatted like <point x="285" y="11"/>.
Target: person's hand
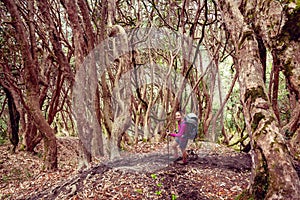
<point x="171" y="134"/>
<point x="168" y="133"/>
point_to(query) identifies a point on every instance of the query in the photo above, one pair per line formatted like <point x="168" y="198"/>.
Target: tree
<point x="14" y="118"/>
<point x="32" y="104"/>
<point x="273" y="174"/>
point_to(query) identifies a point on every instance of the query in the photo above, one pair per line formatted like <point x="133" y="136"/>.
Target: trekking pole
<point x="168" y="148"/>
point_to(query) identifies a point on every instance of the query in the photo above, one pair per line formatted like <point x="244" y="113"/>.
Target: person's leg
<point x="184" y="157"/>
<point x="183" y="144"/>
<point x="175" y="149"/>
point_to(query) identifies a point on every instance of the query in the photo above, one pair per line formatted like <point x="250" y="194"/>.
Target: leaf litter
<point x="143" y="172"/>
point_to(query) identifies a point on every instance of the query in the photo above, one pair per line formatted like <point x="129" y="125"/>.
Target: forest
<point x="85" y="84"/>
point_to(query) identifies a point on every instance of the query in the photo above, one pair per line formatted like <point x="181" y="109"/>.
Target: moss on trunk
<point x="256" y="119"/>
<point x="255" y="93"/>
<point x="261" y="179"/>
<point x="291" y="29"/>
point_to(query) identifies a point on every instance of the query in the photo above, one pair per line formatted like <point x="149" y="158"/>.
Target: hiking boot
<point x="184" y="156"/>
<point x="175" y="159"/>
<point x="182" y="162"/>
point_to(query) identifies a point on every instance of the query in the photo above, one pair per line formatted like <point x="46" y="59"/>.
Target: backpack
<point x="191" y="121"/>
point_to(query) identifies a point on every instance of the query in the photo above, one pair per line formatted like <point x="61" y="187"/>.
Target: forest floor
<point x="142" y="172"/>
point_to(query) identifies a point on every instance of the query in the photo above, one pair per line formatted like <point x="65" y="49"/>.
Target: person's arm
<point x="180" y="132"/>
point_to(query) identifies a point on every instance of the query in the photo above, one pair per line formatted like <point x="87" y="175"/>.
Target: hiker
<point x="180" y="141"/>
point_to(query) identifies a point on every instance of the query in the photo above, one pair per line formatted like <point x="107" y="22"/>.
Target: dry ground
<point x="143" y="172"/>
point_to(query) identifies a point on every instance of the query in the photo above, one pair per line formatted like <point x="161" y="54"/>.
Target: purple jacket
<point x="181" y="129"/>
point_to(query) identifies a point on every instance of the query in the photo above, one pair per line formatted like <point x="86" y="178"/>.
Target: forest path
<point x="151" y="162"/>
<point x="216" y="172"/>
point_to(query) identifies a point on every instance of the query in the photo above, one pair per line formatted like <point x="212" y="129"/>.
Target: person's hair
<point x="181" y="112"/>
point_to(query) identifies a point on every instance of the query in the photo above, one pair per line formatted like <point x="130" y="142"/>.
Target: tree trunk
<point x="85" y="87"/>
<point x="295" y="144"/>
<point x="273" y="174"/>
<point x="147" y="124"/>
<point x="14" y="118"/>
<point x="137" y="123"/>
<point x="207" y="112"/>
<point x="97" y="139"/>
<point x="122" y="90"/>
<point x="32" y="136"/>
<point x="274" y="86"/>
<point x="289" y="56"/>
<point x="32" y="88"/>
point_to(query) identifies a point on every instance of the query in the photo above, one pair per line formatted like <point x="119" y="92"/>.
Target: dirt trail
<point x="203" y="174"/>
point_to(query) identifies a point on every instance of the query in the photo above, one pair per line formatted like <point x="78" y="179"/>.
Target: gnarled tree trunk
<point x="32" y="85"/>
<point x="32" y="136"/>
<point x="273" y="174"/>
<point x="14" y="118"/>
<point x="122" y="90"/>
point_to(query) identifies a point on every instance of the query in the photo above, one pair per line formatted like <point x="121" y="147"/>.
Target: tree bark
<point x="289" y="59"/>
<point x="83" y="102"/>
<point x="122" y="90"/>
<point x="274" y="86"/>
<point x="32" y="136"/>
<point x="273" y="174"/>
<point x="32" y="88"/>
<point x="64" y="67"/>
<point x="14" y="118"/>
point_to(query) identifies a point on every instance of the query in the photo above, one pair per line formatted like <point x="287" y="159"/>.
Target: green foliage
<point x="2" y="140"/>
<point x="39" y="155"/>
<point x="5" y="178"/>
<point x="16" y="171"/>
<point x="233" y="117"/>
<point x="174" y="197"/>
<point x="284" y="106"/>
<point x="3" y="119"/>
<point x="159" y="184"/>
<point x="140" y="191"/>
<point x="154" y="176"/>
<point x="5" y="196"/>
<point x="3" y="127"/>
<point x="145" y="140"/>
<point x="27" y="173"/>
<point x="244" y="196"/>
<point x="283" y="99"/>
<point x="22" y="147"/>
